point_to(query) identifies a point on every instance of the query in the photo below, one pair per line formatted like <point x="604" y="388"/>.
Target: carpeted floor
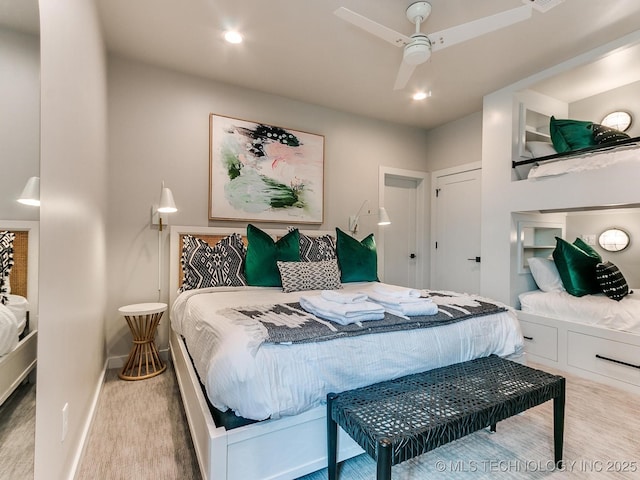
<point x="17" y="433"/>
<point x="140" y="432"/>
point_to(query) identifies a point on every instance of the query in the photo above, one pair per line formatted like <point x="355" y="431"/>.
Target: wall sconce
<point x="31" y="193"/>
<point x="383" y="217"/>
<point x="166" y="205"/>
<point x="159" y="215"/>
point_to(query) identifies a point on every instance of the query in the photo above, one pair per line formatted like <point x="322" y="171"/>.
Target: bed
<point x="575" y="146"/>
<point x="283" y="436"/>
<point x="570" y="325"/>
<point x="19" y="314"/>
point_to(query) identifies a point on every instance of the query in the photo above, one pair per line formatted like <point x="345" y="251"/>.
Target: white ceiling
<point x="301" y="50"/>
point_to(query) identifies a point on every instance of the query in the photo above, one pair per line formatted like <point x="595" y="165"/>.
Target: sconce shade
<point x="31" y="193"/>
<point x="167" y="204"/>
<point x="383" y="217"/>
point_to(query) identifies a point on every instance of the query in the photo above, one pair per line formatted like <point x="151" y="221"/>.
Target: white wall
<point x="159" y="130"/>
<point x="455" y="143"/>
<point x="594" y="108"/>
<point x="19" y="120"/>
<point x="71" y="351"/>
<point x="501" y="196"/>
<point x="594" y="223"/>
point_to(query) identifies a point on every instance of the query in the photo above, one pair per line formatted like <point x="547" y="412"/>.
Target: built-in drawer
<point x="606" y="357"/>
<point x="540" y="340"/>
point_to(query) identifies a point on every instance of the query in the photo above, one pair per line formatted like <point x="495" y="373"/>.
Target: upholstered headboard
<point x="19" y="276"/>
<point x="24" y="273"/>
<point x="210" y="235"/>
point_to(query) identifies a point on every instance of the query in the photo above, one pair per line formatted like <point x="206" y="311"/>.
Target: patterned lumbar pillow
<point x="602" y="134"/>
<point x="316" y="249"/>
<point x="6" y="262"/>
<point x="297" y="276"/>
<point x="611" y="281"/>
<point x="206" y="266"/>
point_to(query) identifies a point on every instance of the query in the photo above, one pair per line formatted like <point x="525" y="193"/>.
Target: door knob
<point x="412" y="255"/>
<point x="475" y="259"/>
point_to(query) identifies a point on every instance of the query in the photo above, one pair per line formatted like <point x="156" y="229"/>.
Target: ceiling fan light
<point x="418" y="51"/>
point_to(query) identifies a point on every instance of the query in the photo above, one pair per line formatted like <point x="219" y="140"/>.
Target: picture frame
<point x="266" y="173"/>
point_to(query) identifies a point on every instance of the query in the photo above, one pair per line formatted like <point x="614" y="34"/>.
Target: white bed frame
<point x="572" y="347"/>
<point x="274" y="449"/>
<point x="16" y="365"/>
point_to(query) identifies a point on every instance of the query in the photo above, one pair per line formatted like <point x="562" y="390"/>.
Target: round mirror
<point x="614" y="240"/>
<point x="619" y="120"/>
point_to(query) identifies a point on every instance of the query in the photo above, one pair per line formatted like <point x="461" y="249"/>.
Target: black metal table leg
<point x="384" y="453"/>
<point x="558" y="424"/>
<point x="332" y="440"/>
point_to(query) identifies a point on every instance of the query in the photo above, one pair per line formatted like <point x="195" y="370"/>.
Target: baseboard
<point x="118" y="362"/>
<point x="87" y="424"/>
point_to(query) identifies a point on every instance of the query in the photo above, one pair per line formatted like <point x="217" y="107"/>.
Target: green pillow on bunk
<point x="568" y="135"/>
<point x="577" y="267"/>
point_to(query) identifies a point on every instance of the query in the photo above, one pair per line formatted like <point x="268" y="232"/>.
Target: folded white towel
<point x="342" y="313"/>
<point x="405" y="307"/>
<point x="395" y="290"/>
<point x="342" y="297"/>
<point x="414" y="309"/>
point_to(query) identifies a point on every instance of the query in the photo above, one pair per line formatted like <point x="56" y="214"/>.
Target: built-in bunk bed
<point x="574" y="146"/>
<point x="18" y="332"/>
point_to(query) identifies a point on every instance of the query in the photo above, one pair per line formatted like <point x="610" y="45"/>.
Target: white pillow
<point x="546" y="275"/>
<point x="541" y="149"/>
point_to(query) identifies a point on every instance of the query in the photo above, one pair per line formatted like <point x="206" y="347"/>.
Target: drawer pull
<point x="618" y="361"/>
<point x="527" y="338"/>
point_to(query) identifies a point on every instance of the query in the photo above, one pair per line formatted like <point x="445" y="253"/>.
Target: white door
<point x="400" y="240"/>
<point x="404" y="246"/>
<point x="457" y="232"/>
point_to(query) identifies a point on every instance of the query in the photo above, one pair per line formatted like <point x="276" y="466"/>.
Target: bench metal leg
<point x="332" y="440"/>
<point x="384" y="459"/>
<point x="558" y="424"/>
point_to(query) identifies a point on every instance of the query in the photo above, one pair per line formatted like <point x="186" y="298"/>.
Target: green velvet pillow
<point x="260" y="266"/>
<point x="576" y="267"/>
<point x="568" y="135"/>
<point x="358" y="261"/>
<point x="586" y="248"/>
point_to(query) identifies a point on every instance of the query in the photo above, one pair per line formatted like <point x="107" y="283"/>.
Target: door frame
<point x="422" y="207"/>
<point x="467" y="167"/>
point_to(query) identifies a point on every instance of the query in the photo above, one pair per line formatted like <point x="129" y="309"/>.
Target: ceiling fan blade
<point x="404" y="74"/>
<point x="372" y="27"/>
<point x="476" y="28"/>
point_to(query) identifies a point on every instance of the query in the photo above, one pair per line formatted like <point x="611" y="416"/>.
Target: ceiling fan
<point x="418" y="46"/>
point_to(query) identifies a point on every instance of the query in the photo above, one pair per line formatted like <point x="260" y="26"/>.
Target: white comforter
<point x="259" y="380"/>
<point x="8" y="330"/>
<point x="590" y="309"/>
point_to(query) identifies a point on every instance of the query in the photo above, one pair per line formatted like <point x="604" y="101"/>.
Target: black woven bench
<point x="400" y="419"/>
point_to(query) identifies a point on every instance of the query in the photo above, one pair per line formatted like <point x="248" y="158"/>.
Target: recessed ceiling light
<point x="233" y="37"/>
<point x="421" y="95"/>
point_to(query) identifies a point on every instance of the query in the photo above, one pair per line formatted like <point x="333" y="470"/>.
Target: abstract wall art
<point x="262" y="172"/>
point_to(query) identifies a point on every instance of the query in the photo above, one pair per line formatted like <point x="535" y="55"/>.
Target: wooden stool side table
<point x="144" y="359"/>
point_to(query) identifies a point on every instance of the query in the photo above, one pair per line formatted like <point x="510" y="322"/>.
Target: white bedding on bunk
<point x="590" y="309"/>
<point x="269" y="381"/>
<point x="587" y="161"/>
